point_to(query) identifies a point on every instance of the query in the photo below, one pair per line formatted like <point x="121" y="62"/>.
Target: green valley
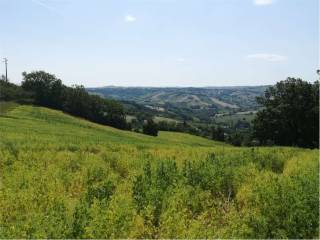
<point x="196" y="104"/>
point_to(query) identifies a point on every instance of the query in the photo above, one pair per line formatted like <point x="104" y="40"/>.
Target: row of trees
<point x="289" y="115"/>
<point x="49" y="91"/>
<point x="45" y="89"/>
<point x="12" y="92"/>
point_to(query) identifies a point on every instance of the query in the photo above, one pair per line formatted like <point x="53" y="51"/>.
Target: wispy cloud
<point x="268" y="57"/>
<point x="130" y="18"/>
<point x="263" y="2"/>
<point x="44" y="4"/>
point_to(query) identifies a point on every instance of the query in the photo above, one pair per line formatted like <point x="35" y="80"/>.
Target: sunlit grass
<point x="47" y="158"/>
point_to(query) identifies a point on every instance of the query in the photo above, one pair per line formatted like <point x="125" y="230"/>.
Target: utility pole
<point x="5" y="60"/>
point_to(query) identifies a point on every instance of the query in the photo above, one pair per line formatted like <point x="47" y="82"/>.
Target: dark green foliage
<point x="12" y="92"/>
<point x="290" y="115"/>
<point x="235" y="139"/>
<point x="150" y="128"/>
<point x="217" y="133"/>
<point x="181" y="127"/>
<point x="77" y="101"/>
<point x="167" y="126"/>
<point x="49" y="91"/>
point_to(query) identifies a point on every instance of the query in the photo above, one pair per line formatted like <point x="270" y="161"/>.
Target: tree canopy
<point x="12" y="92"/>
<point x="150" y="128"/>
<point x="49" y="91"/>
<point x="290" y="114"/>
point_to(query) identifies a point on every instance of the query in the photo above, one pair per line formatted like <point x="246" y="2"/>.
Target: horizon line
<point x="210" y="86"/>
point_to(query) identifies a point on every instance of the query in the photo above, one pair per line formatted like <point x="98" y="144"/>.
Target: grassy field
<point x="64" y="177"/>
<point x="231" y="119"/>
<point x="6" y="106"/>
<point x="169" y="120"/>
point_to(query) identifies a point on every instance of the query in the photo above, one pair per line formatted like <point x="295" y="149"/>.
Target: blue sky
<point x="161" y="42"/>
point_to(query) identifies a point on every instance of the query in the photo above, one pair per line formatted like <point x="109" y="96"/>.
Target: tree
<point x="48" y="90"/>
<point x="235" y="139"/>
<point x="217" y="133"/>
<point x="150" y="128"/>
<point x="290" y="114"/>
<point x="12" y="92"/>
<point x="77" y="101"/>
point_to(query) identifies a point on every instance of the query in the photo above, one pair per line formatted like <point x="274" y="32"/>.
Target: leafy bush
<point x="12" y="92"/>
<point x="150" y="128"/>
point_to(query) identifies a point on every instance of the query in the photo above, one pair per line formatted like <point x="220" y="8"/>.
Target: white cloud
<point x="268" y="57"/>
<point x="263" y="2"/>
<point x="129" y="18"/>
<point x="181" y="59"/>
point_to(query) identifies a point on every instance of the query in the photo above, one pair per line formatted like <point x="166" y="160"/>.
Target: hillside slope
<point x="209" y="97"/>
<point x="64" y="177"/>
<point x="196" y="104"/>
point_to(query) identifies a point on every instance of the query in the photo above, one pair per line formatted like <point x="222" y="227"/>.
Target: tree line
<point x="45" y="89"/>
<point x="289" y="114"/>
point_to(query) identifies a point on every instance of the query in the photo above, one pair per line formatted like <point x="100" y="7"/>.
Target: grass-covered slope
<point x="63" y="177"/>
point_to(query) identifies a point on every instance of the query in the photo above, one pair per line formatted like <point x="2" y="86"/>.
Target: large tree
<point x="48" y="90"/>
<point x="290" y="114"/>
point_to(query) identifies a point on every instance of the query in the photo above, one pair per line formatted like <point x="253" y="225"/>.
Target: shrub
<point x="150" y="128"/>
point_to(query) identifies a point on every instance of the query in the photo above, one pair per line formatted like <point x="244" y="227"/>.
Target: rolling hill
<point x="221" y="98"/>
<point x="64" y="177"/>
<point x="193" y="104"/>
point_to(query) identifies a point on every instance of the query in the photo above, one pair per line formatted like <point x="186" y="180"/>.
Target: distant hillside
<point x="201" y="102"/>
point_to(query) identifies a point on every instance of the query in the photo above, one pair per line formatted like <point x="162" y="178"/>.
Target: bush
<point x="12" y="92"/>
<point x="150" y="128"/>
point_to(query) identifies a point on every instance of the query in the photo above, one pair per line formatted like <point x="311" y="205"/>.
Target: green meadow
<point x="64" y="177"/>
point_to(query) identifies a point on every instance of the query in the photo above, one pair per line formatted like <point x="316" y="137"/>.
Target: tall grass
<point x="63" y="177"/>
